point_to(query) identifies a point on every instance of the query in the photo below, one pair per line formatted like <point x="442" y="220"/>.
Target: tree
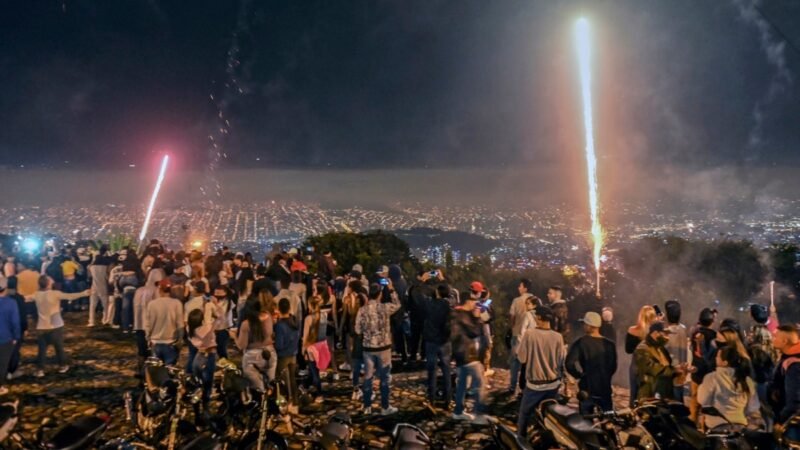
<point x="370" y="249"/>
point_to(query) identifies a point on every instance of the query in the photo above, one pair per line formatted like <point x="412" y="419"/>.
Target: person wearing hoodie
<point x="678" y="345"/>
<point x="785" y="388"/>
<point x="286" y="336"/>
<point x="730" y="390"/>
<point x="419" y="292"/>
<point x="517" y="313"/>
<point x="466" y="329"/>
<point x="141" y="298"/>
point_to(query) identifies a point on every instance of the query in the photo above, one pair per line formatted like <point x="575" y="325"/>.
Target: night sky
<point x="394" y="83"/>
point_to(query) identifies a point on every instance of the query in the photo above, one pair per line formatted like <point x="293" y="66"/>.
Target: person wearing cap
<point x="50" y="324"/>
<point x="763" y="355"/>
<point x="10" y="331"/>
<point x="592" y="359"/>
<point x="654" y="371"/>
<point x="703" y="354"/>
<point x="466" y="329"/>
<point x="678" y="345"/>
<point x="542" y="350"/>
<point x="163" y="324"/>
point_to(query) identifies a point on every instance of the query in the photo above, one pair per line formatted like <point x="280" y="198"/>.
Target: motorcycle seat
<point x="76" y="434"/>
<point x="411" y="438"/>
<point x="572" y="420"/>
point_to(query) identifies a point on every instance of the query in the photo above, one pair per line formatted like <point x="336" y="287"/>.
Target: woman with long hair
<point x="203" y="338"/>
<point x="315" y="344"/>
<point x="635" y="335"/>
<point x="222" y="301"/>
<point x="322" y="291"/>
<point x="730" y="389"/>
<point x="256" y="341"/>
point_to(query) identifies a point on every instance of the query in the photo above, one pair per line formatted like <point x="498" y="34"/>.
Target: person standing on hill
<point x="542" y="349"/>
<point x="373" y="324"/>
<point x="678" y="345"/>
<point x="517" y="312"/>
<point x="592" y="359"/>
<point x="437" y="342"/>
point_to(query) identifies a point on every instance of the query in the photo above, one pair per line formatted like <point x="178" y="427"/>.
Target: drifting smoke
<point x="231" y="90"/>
<point x="775" y="53"/>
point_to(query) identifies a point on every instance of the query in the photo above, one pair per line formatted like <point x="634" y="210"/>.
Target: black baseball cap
<point x="659" y="326"/>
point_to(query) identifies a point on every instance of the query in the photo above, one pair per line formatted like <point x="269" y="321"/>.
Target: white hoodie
<point x="719" y="390"/>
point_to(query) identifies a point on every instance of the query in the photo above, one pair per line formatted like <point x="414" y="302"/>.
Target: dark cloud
<point x="382" y="84"/>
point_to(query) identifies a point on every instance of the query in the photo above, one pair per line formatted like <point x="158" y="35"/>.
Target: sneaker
<point x="357" y="394"/>
<point x="489" y="372"/>
<point x="388" y="411"/>
<point x="480" y="419"/>
<point x="39" y="374"/>
<point x="126" y="331"/>
<point x="344" y="367"/>
<point x="367" y="411"/>
<point x="11" y="375"/>
<point x="63" y="369"/>
<point x="463" y="416"/>
<point x="116" y="327"/>
<point x="3" y="390"/>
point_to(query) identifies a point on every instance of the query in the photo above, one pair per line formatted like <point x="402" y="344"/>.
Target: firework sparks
<point x="583" y="47"/>
<point x="157" y="188"/>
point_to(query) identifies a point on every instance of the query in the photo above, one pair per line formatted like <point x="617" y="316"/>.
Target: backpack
<point x="762" y="353"/>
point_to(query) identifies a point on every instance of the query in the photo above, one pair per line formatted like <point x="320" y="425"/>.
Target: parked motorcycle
<point x="159" y="412"/>
<point x="83" y="432"/>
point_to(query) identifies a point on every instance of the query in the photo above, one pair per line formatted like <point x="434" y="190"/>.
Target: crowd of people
<point x="287" y="323"/>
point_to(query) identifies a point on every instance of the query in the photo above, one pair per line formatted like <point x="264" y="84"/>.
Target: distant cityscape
<point x="511" y="238"/>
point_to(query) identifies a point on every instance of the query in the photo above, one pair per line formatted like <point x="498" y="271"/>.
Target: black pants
<point x="415" y="340"/>
<point x="398" y="337"/>
<point x="6" y="350"/>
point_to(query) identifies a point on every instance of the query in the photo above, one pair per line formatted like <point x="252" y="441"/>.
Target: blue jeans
<point x="203" y="367"/>
<point x="473" y="370"/>
<point x="356" y="364"/>
<point x="514" y="366"/>
<point x="127" y="308"/>
<point x="167" y="353"/>
<point x="222" y="343"/>
<point x="530" y="400"/>
<point x="190" y="360"/>
<point x="380" y="362"/>
<point x="438" y="353"/>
